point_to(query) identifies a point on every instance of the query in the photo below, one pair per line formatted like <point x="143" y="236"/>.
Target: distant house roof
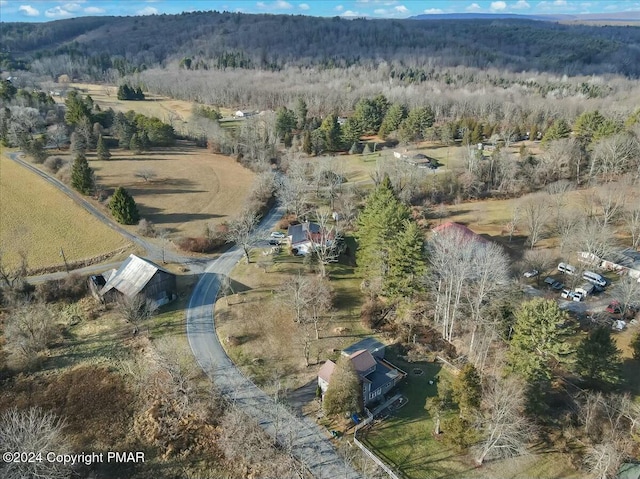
<point x="363" y="361"/>
<point x="302" y="232"/>
<point x="326" y="370"/>
<point x="132" y="276"/>
<point x="457" y="228"/>
<point x="375" y="347"/>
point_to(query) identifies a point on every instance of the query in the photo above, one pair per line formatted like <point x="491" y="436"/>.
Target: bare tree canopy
<point x="32" y="430"/>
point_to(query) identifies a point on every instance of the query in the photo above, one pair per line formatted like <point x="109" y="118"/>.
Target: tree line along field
<point x="38" y="220"/>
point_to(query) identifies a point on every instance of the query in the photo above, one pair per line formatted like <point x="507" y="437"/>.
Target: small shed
<point x="243" y="113"/>
<point x="140" y="276"/>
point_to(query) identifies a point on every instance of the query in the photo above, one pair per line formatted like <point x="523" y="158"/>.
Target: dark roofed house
<point x="377" y="375"/>
<point x="140" y="276"/>
<point x="302" y="236"/>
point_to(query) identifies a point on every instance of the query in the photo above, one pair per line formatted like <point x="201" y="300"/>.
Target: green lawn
<point x="406" y="442"/>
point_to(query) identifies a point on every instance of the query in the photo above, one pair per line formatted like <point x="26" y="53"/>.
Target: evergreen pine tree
<point x="331" y="131"/>
<point x="145" y="142"/>
<point x="406" y="263"/>
<point x="379" y="224"/>
<point x="306" y="142"/>
<point x="123" y="207"/>
<point x="81" y="175"/>
<point x="598" y="359"/>
<point x="467" y="391"/>
<point x="135" y="144"/>
<point x="102" y="152"/>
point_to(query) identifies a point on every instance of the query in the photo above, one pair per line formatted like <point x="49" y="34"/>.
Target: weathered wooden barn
<point x="137" y="276"/>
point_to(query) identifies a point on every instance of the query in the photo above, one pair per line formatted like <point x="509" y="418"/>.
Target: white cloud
<point x="401" y="9"/>
<point x="28" y="10"/>
<point x="3" y="3"/>
<point x="148" y="11"/>
<point x="92" y="10"/>
<point x="304" y="6"/>
<point x="521" y="5"/>
<point x="498" y="6"/>
<point x="277" y="5"/>
<point x="339" y="8"/>
<point x="380" y="11"/>
<point x="474" y="7"/>
<point x="433" y="11"/>
<point x="351" y="14"/>
<point x="72" y="7"/>
<point x="560" y="3"/>
<point x="57" y="12"/>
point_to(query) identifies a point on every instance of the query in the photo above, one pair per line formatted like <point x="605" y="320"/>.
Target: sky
<point x="47" y="10"/>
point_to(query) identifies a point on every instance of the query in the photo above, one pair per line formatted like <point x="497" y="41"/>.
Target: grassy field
<point x="37" y="219"/>
<point x="405" y="440"/>
<point x="269" y="346"/>
<point x="174" y="112"/>
<point x="192" y="187"/>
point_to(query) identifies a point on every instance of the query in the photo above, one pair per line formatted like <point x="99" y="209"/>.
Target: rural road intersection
<point x="303" y="436"/>
<point x="309" y="444"/>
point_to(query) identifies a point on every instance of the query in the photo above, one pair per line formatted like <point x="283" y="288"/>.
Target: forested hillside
<point x="207" y="40"/>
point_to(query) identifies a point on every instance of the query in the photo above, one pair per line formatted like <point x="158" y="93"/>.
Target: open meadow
<point x="190" y="187"/>
<point x="37" y="220"/>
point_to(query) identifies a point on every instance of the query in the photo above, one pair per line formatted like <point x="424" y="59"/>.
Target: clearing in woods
<point x="38" y="220"/>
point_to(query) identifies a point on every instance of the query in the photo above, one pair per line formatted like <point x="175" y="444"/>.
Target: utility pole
<point x="66" y="266"/>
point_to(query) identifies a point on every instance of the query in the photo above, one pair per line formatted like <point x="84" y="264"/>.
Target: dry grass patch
<point x="259" y="333"/>
<point x="192" y="187"/>
<point x="37" y="219"/>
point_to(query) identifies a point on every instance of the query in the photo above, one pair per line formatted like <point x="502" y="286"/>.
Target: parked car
<point x="274" y="242"/>
<point x="531" y="274"/>
<point x="566" y="268"/>
<point x="614" y="307"/>
<point x="277" y="234"/>
<point x="578" y="296"/>
<point x="594" y="278"/>
<point x="567" y="294"/>
<point x="557" y="285"/>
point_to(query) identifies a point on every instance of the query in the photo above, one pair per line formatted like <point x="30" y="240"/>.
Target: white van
<point x="566" y="268"/>
<point x="585" y="289"/>
<point x="594" y="278"/>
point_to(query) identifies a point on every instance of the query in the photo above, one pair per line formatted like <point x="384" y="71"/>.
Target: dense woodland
<point x="210" y="40"/>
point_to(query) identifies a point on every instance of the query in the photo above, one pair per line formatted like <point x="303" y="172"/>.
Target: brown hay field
<point x="192" y="187"/>
<point x="37" y="219"/>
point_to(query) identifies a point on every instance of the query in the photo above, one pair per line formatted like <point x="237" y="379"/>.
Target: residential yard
<point x="39" y="220"/>
<point x="259" y="333"/>
<point x="405" y="440"/>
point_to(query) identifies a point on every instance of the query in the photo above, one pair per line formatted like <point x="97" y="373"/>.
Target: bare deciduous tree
<point x="146" y="174"/>
<point x="326" y="243"/>
<point x="33" y="430"/>
<point x="505" y="428"/>
<point x="631" y="217"/>
<point x="30" y="328"/>
<point x="135" y="309"/>
<point x="627" y="292"/>
<point x="242" y="232"/>
<point x="535" y="210"/>
<point x="611" y="200"/>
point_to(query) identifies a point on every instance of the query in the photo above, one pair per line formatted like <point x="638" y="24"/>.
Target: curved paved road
<point x="309" y="444"/>
<point x="153" y="251"/>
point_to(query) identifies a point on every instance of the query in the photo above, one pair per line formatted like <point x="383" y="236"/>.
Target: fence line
<point x="368" y="452"/>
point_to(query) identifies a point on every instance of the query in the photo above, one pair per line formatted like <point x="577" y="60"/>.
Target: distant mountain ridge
<point x="616" y="17"/>
<point x="202" y="40"/>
